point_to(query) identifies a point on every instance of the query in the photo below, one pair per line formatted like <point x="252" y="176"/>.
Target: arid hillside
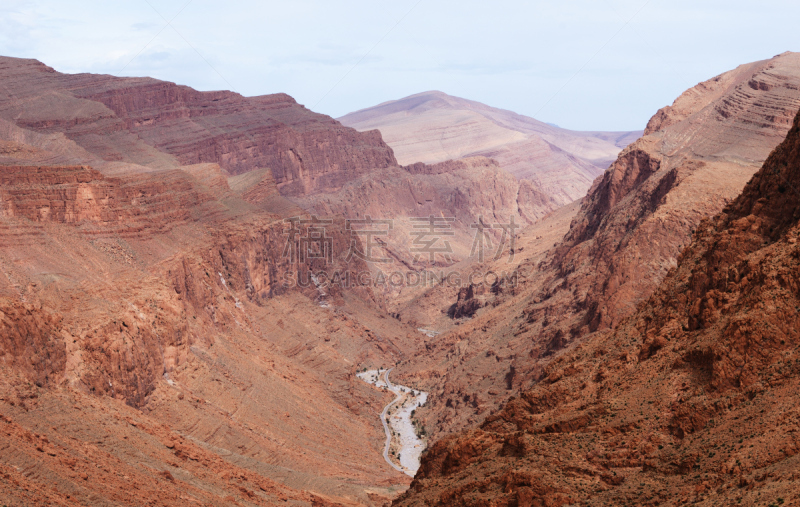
<point x="455" y="197"/>
<point x="139" y="124"/>
<point x="134" y="125"/>
<point x="162" y="338"/>
<point x="152" y="349"/>
<point x="696" y="158"/>
<point x="432" y="127"/>
<point x="691" y="400"/>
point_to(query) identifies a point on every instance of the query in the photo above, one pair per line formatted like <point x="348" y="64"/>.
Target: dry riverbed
<point x="403" y="443"/>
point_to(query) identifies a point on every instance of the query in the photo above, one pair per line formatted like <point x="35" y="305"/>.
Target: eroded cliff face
<point x="692" y="162"/>
<point x="460" y="196"/>
<point x="137" y="124"/>
<point x="690" y="400"/>
<point x="168" y="299"/>
<point x="126" y="206"/>
<point x="244" y="256"/>
<point x="622" y="242"/>
<point x="464" y="190"/>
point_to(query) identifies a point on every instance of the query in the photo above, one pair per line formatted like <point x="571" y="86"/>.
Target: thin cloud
<point x="510" y="54"/>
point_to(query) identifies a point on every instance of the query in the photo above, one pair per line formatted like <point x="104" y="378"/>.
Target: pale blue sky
<point x="582" y="64"/>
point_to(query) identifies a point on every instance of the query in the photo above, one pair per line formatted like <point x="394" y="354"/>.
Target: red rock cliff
<point x="625" y="238"/>
<point x="691" y="400"/>
<point x="155" y="123"/>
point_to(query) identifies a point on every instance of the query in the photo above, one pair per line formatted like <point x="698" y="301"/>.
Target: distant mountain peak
<point x="433" y="126"/>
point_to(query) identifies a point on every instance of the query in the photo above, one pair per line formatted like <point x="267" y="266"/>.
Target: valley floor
<point x="403" y="444"/>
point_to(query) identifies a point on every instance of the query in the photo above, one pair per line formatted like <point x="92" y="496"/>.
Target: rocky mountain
<point x="690" y="400"/>
<point x="460" y="196"/>
<point x="432" y="127"/>
<point x="183" y="312"/>
<point x="162" y="339"/>
<point x="140" y="124"/>
<point x="133" y="125"/>
<point x="151" y="348"/>
<point x="696" y="158"/>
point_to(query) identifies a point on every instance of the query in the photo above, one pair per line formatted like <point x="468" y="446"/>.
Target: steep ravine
<point x="691" y="400"/>
<point x="626" y="237"/>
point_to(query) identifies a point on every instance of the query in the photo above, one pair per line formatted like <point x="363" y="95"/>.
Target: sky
<point x="580" y="64"/>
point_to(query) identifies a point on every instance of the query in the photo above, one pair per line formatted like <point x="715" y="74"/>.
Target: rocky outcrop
<point x="467" y="304"/>
<point x="31" y="342"/>
<point x="691" y="400"/>
<point x="161" y="125"/>
<point x="631" y="169"/>
<point x="126" y="206"/>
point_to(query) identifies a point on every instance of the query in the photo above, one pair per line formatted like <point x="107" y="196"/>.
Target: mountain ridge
<point x="130" y="124"/>
<point x="690" y="400"/>
<point x="432" y="126"/>
<point x="624" y="239"/>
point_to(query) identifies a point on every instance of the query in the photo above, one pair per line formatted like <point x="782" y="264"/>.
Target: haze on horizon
<point x="606" y="65"/>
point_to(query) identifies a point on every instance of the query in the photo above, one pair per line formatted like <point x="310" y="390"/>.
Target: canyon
<point x="621" y="242"/>
<point x="185" y="316"/>
<point x="690" y="400"/>
<point x="161" y="339"/>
